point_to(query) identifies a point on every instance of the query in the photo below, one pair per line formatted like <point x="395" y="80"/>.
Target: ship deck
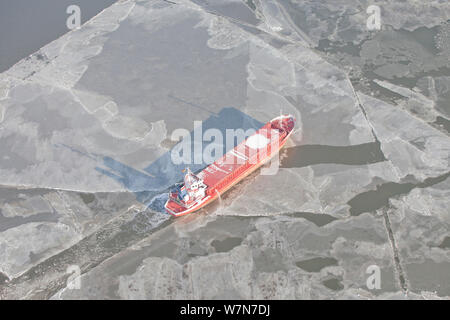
<point x="248" y="153"/>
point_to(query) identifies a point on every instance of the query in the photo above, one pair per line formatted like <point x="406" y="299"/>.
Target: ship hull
<point x="215" y="192"/>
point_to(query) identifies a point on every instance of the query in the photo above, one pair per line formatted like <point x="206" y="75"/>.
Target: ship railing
<point x="178" y="201"/>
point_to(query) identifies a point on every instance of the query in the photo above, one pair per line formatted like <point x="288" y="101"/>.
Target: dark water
<point x="445" y="243"/>
<point x="26" y="26"/>
<point x="3" y="278"/>
<point x="226" y="244"/>
<point x="316" y="264"/>
<point x="306" y="155"/>
<point x="319" y="219"/>
<point x="373" y="200"/>
<point x="333" y="284"/>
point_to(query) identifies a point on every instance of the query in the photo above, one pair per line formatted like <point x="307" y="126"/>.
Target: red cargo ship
<point x="200" y="190"/>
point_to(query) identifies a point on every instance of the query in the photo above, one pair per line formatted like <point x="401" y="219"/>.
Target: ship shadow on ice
<point x="156" y="179"/>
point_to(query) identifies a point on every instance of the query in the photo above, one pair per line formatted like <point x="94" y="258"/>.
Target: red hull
<point x="238" y="163"/>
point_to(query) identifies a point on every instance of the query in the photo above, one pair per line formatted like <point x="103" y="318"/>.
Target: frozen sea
<point x="85" y="136"/>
